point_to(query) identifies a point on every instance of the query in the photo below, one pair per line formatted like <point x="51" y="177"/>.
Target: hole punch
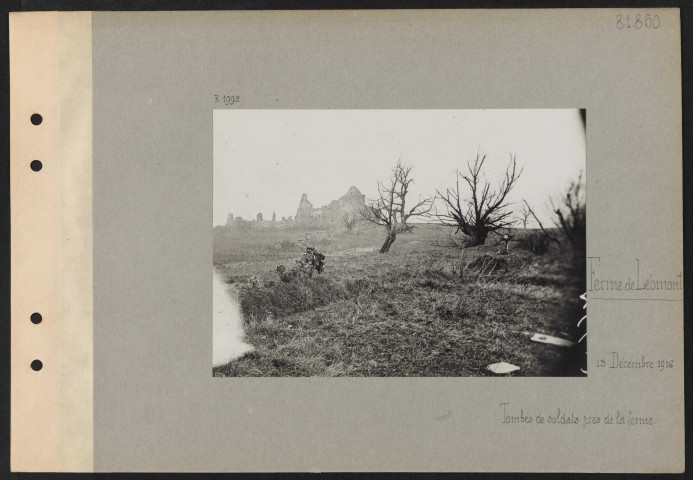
<point x="36" y="365"/>
<point x="36" y="119"/>
<point x="36" y="165"/>
<point x="36" y="318"/>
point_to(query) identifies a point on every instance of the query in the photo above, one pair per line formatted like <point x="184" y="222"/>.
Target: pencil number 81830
<point x="637" y="22"/>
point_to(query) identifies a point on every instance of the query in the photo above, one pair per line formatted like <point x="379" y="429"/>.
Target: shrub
<point x="285" y="299"/>
<point x="570" y="212"/>
<point x="312" y="260"/>
<point x="535" y="242"/>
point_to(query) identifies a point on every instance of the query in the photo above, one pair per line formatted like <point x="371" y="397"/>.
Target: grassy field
<point x="422" y="309"/>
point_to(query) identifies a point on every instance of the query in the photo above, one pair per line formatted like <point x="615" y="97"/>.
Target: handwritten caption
<point x="635" y="280"/>
<point x="638" y="21"/>
<point x="621" y="418"/>
<point x="227" y="100"/>
<point x="618" y="360"/>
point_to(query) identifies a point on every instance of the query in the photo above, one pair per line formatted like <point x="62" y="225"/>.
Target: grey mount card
<point x="347" y="241"/>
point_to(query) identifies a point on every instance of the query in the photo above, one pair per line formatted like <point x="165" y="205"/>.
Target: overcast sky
<point x="265" y="159"/>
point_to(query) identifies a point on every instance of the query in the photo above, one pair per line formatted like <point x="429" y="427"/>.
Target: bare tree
<point x="524" y="215"/>
<point x="390" y="209"/>
<point x="403" y="179"/>
<point x="482" y="209"/>
<point x="570" y="213"/>
<point x="541" y="225"/>
<point x="537" y="242"/>
<point x="449" y="239"/>
<point x="350" y="221"/>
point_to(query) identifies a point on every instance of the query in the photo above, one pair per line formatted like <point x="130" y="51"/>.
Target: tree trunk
<point x="388" y="242"/>
<point x="477" y="237"/>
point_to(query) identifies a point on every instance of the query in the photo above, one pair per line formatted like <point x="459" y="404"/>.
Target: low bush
<point x="311" y="261"/>
<point x="535" y="242"/>
<point x="285" y="299"/>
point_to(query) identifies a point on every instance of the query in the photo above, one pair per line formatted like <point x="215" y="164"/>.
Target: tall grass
<point x="285" y="299"/>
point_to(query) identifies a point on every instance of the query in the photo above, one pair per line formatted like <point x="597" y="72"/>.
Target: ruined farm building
<point x="333" y="213"/>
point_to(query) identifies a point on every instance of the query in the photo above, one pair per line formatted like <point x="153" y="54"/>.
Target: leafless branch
<point x="570" y="213"/>
<point x="483" y="209"/>
<point x="389" y="209"/>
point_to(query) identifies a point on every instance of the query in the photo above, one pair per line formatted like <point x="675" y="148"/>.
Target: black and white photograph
<point x="399" y="243"/>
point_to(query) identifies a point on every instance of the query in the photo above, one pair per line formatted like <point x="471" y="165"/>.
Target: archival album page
<point x="347" y="241"/>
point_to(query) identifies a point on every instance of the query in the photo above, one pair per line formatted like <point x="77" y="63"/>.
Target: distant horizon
<point x="264" y="160"/>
